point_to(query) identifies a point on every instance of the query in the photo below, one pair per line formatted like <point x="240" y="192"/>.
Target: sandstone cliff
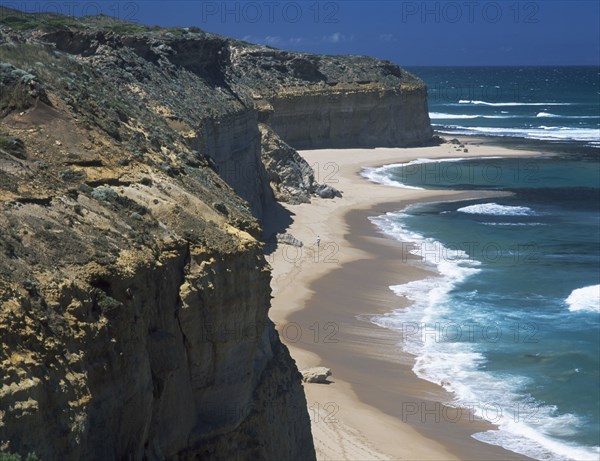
<point x="316" y="101"/>
<point x="133" y="289"/>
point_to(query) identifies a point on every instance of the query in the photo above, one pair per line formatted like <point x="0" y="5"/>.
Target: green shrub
<point x="5" y="141"/>
<point x="50" y="68"/>
<point x="14" y="97"/>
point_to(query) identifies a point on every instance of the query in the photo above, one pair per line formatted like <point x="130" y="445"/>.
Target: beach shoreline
<point x="375" y="406"/>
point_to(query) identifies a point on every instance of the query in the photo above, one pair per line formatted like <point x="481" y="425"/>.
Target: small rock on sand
<point x="315" y="375"/>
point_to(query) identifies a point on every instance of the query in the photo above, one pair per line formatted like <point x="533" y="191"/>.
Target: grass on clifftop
<point x="47" y="22"/>
<point x="19" y="20"/>
<point x="22" y="21"/>
<point x="15" y="457"/>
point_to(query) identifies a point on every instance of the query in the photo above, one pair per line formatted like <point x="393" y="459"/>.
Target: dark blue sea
<point x="511" y="323"/>
<point x="546" y="103"/>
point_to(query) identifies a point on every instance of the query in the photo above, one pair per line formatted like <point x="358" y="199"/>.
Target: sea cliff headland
<point x="134" y="294"/>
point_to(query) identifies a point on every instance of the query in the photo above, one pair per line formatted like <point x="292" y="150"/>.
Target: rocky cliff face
<point x="370" y="117"/>
<point x="162" y="353"/>
<point x="133" y="288"/>
<point x="178" y="85"/>
<point x="333" y="102"/>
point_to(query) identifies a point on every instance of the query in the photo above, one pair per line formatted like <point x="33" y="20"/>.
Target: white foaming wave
<point x="497" y="400"/>
<point x="428" y="295"/>
<point x="546" y="114"/>
<point x="545" y="133"/>
<point x="525" y="427"/>
<point x="584" y="299"/>
<point x="450" y="263"/>
<point x="508" y="104"/>
<point x="380" y="174"/>
<point x="445" y="116"/>
<point x="515" y="224"/>
<point x="391" y="225"/>
<point x="497" y="210"/>
<point x="530" y="443"/>
<point x="457" y="365"/>
<point x="441" y="115"/>
<point x="549" y="115"/>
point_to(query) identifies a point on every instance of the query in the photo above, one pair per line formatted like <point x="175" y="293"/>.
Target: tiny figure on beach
<point x="318" y="241"/>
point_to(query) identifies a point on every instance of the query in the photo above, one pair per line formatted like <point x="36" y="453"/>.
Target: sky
<point x="410" y="33"/>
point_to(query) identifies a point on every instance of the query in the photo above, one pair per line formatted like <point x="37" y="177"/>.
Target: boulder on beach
<point x="325" y="191"/>
<point x="315" y="375"/>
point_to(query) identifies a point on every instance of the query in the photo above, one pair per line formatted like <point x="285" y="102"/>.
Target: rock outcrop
<point x="288" y="239"/>
<point x="326" y="191"/>
<point x="134" y="291"/>
<point x="316" y="375"/>
<point x="292" y="178"/>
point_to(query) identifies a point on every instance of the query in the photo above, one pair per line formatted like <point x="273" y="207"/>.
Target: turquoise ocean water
<point x="511" y="324"/>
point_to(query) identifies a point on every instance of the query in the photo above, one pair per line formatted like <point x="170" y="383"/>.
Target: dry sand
<point x="375" y="407"/>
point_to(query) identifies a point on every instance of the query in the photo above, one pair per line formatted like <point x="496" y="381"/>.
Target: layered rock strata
<point x="315" y="102"/>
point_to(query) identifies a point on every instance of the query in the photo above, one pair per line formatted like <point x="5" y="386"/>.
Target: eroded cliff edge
<point x="134" y="294"/>
<point x="316" y="102"/>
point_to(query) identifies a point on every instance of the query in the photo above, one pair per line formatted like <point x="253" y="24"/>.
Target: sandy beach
<point x="374" y="407"/>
